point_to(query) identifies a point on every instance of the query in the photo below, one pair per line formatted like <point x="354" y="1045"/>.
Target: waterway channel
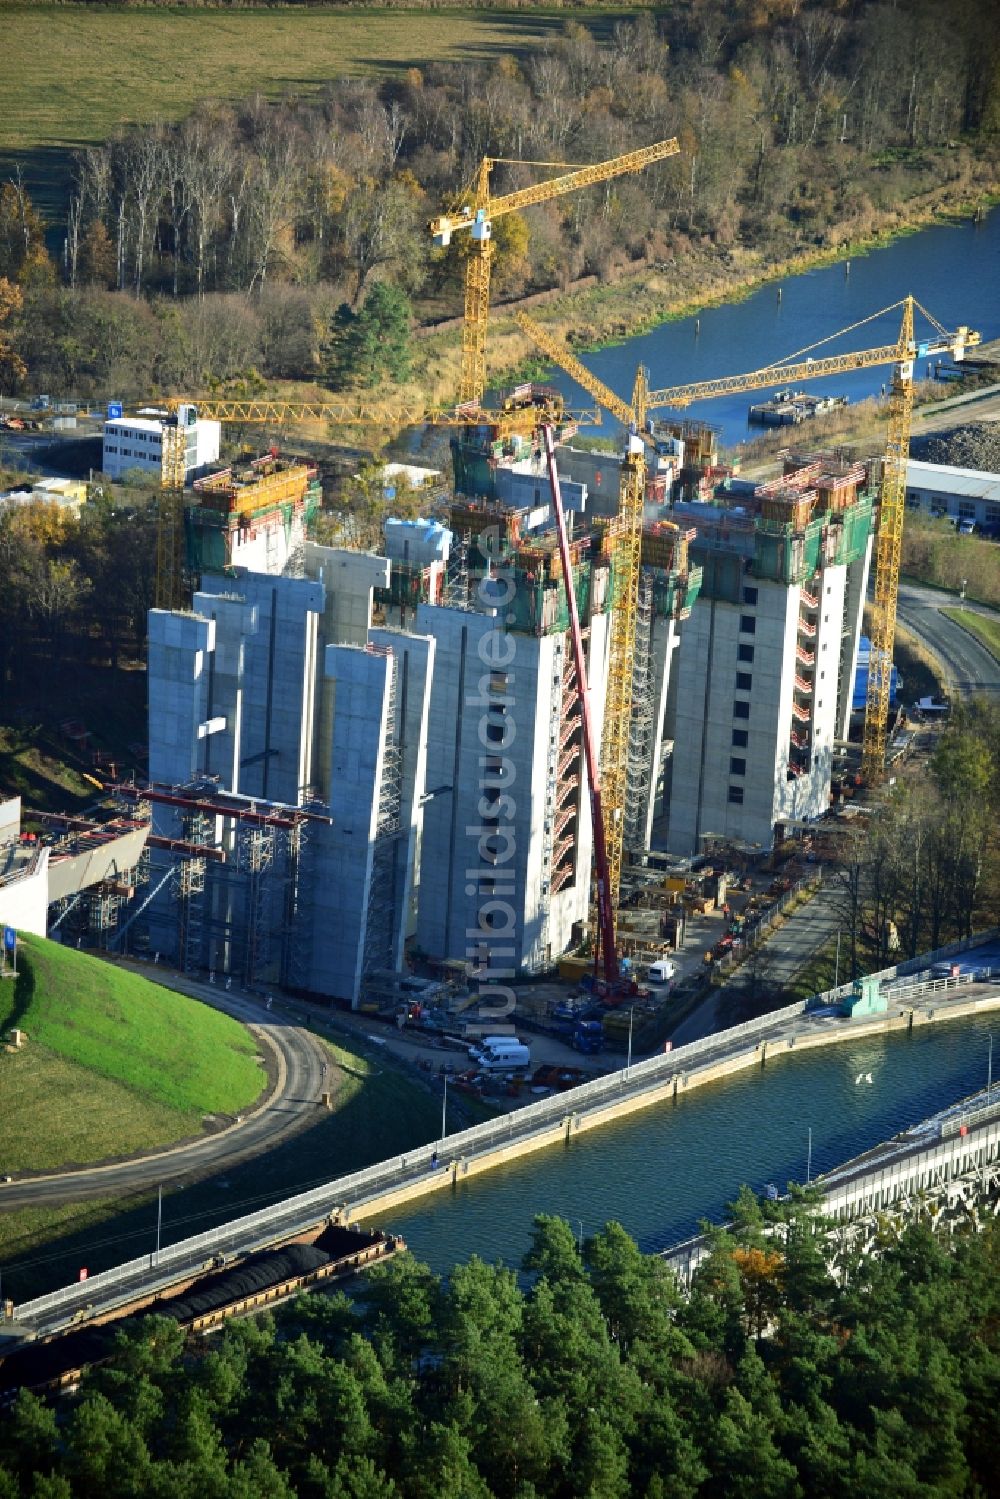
<point x="953" y="269"/>
<point x="667" y="1168"/>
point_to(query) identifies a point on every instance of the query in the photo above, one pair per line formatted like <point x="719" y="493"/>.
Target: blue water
<point x="667" y="1168"/>
<point x="953" y="269"/>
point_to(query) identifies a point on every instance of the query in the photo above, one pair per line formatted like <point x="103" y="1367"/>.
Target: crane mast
<point x="901" y="355"/>
<point x="478" y="217"/>
<point x="892" y="504"/>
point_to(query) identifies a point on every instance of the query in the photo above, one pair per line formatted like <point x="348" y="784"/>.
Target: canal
<point x="664" y="1170"/>
<point x="953" y="269"/>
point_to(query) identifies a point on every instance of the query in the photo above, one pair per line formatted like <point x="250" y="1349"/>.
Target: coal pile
<point x="258" y="1273"/>
<point x="39" y="1363"/>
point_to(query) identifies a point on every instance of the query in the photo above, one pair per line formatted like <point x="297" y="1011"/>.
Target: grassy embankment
<point x="986" y="630"/>
<point x="113" y="1064"/>
<point x="41" y="765"/>
<point x="380" y="1110"/>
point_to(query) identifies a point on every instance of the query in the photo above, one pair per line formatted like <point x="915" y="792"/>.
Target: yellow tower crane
<point x="624" y="537"/>
<point x="901" y="355"/>
<point x="477" y="217"/>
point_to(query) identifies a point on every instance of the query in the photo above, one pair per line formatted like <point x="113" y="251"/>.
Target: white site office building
<point x="136" y="442"/>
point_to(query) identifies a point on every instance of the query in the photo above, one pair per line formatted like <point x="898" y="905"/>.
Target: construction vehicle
<point x="477" y="215"/>
<point x="625" y="537"/>
<point x="588" y="1038"/>
<point x="902" y="354"/>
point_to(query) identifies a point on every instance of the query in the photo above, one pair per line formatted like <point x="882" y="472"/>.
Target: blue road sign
<point x="9" y="938"/>
<point x="115" y="410"/>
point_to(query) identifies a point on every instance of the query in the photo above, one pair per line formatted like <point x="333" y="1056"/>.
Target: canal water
<point x="662" y="1171"/>
<point x="953" y="269"/>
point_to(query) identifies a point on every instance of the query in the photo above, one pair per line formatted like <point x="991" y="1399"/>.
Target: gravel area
<point x="974" y="446"/>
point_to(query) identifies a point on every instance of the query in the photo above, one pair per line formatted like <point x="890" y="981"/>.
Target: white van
<point x="511" y="1059"/>
<point x="493" y="1044"/>
<point x="661" y="972"/>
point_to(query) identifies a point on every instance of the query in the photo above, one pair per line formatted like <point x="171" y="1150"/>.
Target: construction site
<point x="528" y="727"/>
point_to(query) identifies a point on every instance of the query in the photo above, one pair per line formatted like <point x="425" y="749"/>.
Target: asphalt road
<point x="969" y="667"/>
<point x="292" y="1106"/>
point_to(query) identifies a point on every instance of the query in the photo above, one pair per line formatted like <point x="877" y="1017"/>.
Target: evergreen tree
<point x="373" y="346"/>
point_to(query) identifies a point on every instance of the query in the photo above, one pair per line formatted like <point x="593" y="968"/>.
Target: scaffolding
<point x="455" y="594"/>
<point x="542" y="954"/>
<point x="271" y="495"/>
<point x="380" y="917"/>
<point x="641" y="726"/>
<point x="232" y="891"/>
<point x="256" y="863"/>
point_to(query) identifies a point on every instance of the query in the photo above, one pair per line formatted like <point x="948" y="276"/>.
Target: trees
<point x="372" y="346"/>
<point x="596" y="1378"/>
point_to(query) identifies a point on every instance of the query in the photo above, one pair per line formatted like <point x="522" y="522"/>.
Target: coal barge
<point x="200" y="1303"/>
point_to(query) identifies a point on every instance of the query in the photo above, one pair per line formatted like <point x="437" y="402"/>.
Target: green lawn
<point x="56" y="1115"/>
<point x="74" y="73"/>
<point x="985" y="629"/>
<point x="170" y="1051"/>
<point x="380" y="1109"/>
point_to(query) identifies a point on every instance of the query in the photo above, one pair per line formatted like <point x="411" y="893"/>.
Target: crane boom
<point x="445" y="225"/>
<point x="623" y="540"/>
<point x="477" y="219"/>
<point x="579" y="372"/>
<point x="812" y="369"/>
<point x="901" y="355"/>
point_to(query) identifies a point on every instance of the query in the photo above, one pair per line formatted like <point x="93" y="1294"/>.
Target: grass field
<point x="75" y="73"/>
<point x="380" y="1109"/>
<point x="174" y="1056"/>
<point x="55" y="1116"/>
<point x="986" y="630"/>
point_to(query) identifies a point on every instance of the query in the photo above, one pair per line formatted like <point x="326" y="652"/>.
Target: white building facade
<point x="136" y="442"/>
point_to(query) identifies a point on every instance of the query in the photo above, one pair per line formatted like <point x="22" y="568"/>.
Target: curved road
<point x="969" y="666"/>
<point x="292" y="1106"/>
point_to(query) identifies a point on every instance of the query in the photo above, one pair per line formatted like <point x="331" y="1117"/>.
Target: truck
<point x="588" y="1037"/>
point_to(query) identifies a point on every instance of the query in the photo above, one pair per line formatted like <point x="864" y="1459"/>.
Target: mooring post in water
<point x="779" y="293"/>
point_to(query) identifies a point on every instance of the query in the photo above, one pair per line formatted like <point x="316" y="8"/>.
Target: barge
<point x="226" y="1287"/>
<point x="787" y="408"/>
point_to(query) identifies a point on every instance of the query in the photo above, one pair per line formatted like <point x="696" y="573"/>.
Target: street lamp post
<point x="989" y="1071"/>
<point x="444" y="1108"/>
<point x="628" y="1064"/>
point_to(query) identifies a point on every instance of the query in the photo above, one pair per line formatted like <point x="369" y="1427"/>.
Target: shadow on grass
<point x="24" y="993"/>
<point x="390" y="1114"/>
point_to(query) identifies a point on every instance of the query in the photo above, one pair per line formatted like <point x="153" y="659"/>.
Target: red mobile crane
<point x="609" y="984"/>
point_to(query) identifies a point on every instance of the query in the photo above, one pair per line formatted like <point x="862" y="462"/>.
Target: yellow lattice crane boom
<point x="515" y="416"/>
<point x="477" y="217"/>
<point x="901" y="355"/>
